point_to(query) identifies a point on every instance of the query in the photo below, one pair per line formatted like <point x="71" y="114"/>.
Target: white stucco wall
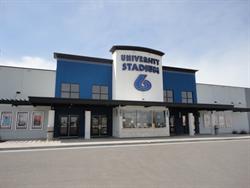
<point x="215" y="94"/>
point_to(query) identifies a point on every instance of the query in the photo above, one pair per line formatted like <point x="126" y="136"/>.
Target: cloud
<point x="229" y="66"/>
<point x="29" y="62"/>
<point x="211" y="36"/>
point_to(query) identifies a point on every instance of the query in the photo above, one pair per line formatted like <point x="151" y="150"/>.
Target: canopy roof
<point x="52" y="101"/>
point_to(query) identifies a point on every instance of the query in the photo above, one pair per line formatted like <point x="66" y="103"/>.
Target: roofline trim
<point x="219" y="85"/>
<point x="82" y="58"/>
<point x="27" y="68"/>
<point x="110" y="61"/>
<point x="178" y="69"/>
<point x="136" y="48"/>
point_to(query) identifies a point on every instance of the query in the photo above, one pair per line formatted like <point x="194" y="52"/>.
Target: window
<point x="187" y="97"/>
<point x="100" y="92"/>
<point x="168" y="96"/>
<point x="143" y="119"/>
<point x="70" y="90"/>
<point x="129" y="119"/>
<point x="159" y="119"/>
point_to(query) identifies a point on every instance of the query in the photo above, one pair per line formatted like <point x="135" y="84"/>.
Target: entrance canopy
<point x="237" y="109"/>
<point x="51" y="101"/>
<point x="15" y="102"/>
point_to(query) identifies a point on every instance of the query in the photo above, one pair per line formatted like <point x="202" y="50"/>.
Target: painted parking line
<point x="119" y="146"/>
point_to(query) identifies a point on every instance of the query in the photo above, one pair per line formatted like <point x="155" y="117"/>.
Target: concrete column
<point x="117" y="122"/>
<point x="167" y="121"/>
<point x="87" y="124"/>
<point x="50" y="126"/>
<point x="191" y="124"/>
<point x="120" y="123"/>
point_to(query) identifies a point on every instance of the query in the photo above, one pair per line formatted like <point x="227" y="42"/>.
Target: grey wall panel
<point x="238" y="96"/>
<point x="30" y="82"/>
<point x="29" y="133"/>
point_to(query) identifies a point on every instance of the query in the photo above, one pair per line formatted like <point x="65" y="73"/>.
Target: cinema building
<point x="130" y="95"/>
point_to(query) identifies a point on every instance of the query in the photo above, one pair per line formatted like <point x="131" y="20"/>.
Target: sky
<point x="212" y="36"/>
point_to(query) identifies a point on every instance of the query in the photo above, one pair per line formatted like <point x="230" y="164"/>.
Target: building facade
<point x="17" y="121"/>
<point x="228" y="121"/>
<point x="130" y="95"/>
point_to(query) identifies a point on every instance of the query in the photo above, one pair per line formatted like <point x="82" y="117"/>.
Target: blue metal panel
<point x="178" y="82"/>
<point x="84" y="73"/>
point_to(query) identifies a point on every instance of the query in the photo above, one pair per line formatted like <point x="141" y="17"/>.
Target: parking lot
<point x="206" y="164"/>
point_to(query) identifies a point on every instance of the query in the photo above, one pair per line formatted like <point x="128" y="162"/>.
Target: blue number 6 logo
<point x="142" y="84"/>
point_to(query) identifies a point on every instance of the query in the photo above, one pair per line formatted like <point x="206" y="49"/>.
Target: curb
<point x="130" y="142"/>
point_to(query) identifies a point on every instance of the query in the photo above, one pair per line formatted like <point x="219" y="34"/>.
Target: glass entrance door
<point x="99" y="125"/>
<point x="69" y="125"/>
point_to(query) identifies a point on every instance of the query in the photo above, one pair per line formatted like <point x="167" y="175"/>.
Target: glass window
<point x="74" y="88"/>
<point x="159" y="119"/>
<point x="129" y="119"/>
<point x="184" y="94"/>
<point x="170" y="100"/>
<point x="168" y="96"/>
<point x="104" y="96"/>
<point x="65" y="87"/>
<point x="187" y="97"/>
<point x="184" y="100"/>
<point x="70" y="90"/>
<point x="95" y="96"/>
<point x="100" y="92"/>
<point x="65" y="94"/>
<point x="169" y="93"/>
<point x="64" y="121"/>
<point x="104" y="89"/>
<point x="190" y="100"/>
<point x="95" y="89"/>
<point x="144" y="119"/>
<point x="74" y="95"/>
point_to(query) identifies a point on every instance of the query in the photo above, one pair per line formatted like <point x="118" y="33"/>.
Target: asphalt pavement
<point x="204" y="164"/>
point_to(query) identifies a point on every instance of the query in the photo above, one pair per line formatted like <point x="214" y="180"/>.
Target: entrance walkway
<point x="40" y="144"/>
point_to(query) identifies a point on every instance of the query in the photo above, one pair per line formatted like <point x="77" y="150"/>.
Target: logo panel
<point x="142" y="84"/>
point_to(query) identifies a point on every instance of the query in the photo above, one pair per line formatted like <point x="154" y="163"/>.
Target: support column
<point x="167" y="121"/>
<point x="191" y="124"/>
<point x="117" y="122"/>
<point x="87" y="124"/>
<point x="50" y="126"/>
<point x="120" y="122"/>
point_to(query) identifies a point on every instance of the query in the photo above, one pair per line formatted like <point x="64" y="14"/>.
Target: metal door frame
<point x="100" y="125"/>
<point x="68" y="125"/>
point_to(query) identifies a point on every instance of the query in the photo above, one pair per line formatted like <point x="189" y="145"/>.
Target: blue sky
<point x="211" y="36"/>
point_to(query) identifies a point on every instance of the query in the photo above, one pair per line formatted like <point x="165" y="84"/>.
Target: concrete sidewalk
<point x="64" y="143"/>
